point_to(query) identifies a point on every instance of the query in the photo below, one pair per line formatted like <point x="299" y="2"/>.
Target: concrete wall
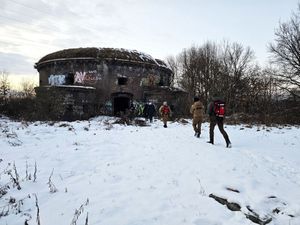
<point x="104" y="75"/>
<point x="66" y="103"/>
<point x="110" y="78"/>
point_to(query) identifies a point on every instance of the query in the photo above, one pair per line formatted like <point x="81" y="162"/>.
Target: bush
<point x="19" y="108"/>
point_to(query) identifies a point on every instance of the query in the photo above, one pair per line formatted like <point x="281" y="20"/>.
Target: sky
<point x="31" y="29"/>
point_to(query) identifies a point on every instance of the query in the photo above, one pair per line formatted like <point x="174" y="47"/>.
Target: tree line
<point x="267" y="94"/>
<point x="228" y="69"/>
<point x="17" y="104"/>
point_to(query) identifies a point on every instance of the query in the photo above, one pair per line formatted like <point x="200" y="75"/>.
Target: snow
<point x="132" y="175"/>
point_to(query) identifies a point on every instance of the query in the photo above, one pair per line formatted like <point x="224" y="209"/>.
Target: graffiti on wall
<point x="57" y="79"/>
<point x="151" y="80"/>
<point x="90" y="76"/>
<point x="108" y="107"/>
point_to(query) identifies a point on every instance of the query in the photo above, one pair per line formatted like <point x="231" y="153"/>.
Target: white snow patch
<point x="148" y="175"/>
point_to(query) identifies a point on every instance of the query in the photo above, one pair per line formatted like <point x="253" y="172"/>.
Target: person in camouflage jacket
<point x="165" y="113"/>
<point x="197" y="111"/>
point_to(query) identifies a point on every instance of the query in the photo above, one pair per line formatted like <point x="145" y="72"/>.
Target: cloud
<point x="34" y="28"/>
<point x="16" y="64"/>
<point x="23" y="12"/>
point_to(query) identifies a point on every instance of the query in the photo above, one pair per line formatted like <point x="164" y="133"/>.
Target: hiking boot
<point x="210" y="142"/>
<point x="228" y="145"/>
<point x="165" y="126"/>
<point x="198" y="135"/>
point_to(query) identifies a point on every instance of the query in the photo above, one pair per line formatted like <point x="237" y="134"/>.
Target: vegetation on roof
<point x="102" y="53"/>
<point x="71" y="53"/>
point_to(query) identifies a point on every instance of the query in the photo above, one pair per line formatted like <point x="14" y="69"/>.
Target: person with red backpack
<point x="216" y="112"/>
<point x="165" y="113"/>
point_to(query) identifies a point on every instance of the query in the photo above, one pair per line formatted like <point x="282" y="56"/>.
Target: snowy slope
<point x="114" y="174"/>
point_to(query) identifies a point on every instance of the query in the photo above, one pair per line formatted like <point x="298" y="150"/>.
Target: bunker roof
<point x="103" y="53"/>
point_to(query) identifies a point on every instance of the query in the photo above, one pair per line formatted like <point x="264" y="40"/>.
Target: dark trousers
<point x="150" y="118"/>
<point x="217" y="121"/>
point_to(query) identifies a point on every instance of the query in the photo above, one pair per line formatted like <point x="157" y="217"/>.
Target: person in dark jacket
<point x="149" y="111"/>
<point x="216" y="120"/>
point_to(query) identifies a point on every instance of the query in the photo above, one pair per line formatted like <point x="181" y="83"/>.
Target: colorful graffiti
<point x="83" y="77"/>
<point x="79" y="77"/>
<point x="151" y="80"/>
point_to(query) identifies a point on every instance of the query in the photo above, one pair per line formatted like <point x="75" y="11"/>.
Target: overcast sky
<point x="31" y="29"/>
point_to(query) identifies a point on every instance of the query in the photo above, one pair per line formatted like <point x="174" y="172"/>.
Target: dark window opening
<point x="122" y="80"/>
<point x="69" y="78"/>
<point x="69" y="108"/>
<point x="161" y="82"/>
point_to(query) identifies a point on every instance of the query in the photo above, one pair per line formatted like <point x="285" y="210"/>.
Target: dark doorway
<point x="121" y="104"/>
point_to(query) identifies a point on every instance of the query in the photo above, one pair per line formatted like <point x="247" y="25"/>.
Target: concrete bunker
<point x="106" y="81"/>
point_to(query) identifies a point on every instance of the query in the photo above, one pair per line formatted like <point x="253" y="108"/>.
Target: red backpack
<point x="219" y="108"/>
<point x="165" y="110"/>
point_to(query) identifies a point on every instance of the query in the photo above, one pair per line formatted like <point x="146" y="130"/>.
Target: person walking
<point x="197" y="112"/>
<point x="216" y="112"/>
<point x="149" y="111"/>
<point x="140" y="109"/>
<point x="165" y="113"/>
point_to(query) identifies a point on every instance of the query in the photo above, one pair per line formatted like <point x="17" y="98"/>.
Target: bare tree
<point x="188" y="70"/>
<point x="4" y="86"/>
<point x="174" y="66"/>
<point x="237" y="64"/>
<point x="285" y="52"/>
<point x="199" y="68"/>
<point x="27" y="88"/>
<point x="212" y="68"/>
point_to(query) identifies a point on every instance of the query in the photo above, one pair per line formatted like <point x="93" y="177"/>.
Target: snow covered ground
<point x="96" y="172"/>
